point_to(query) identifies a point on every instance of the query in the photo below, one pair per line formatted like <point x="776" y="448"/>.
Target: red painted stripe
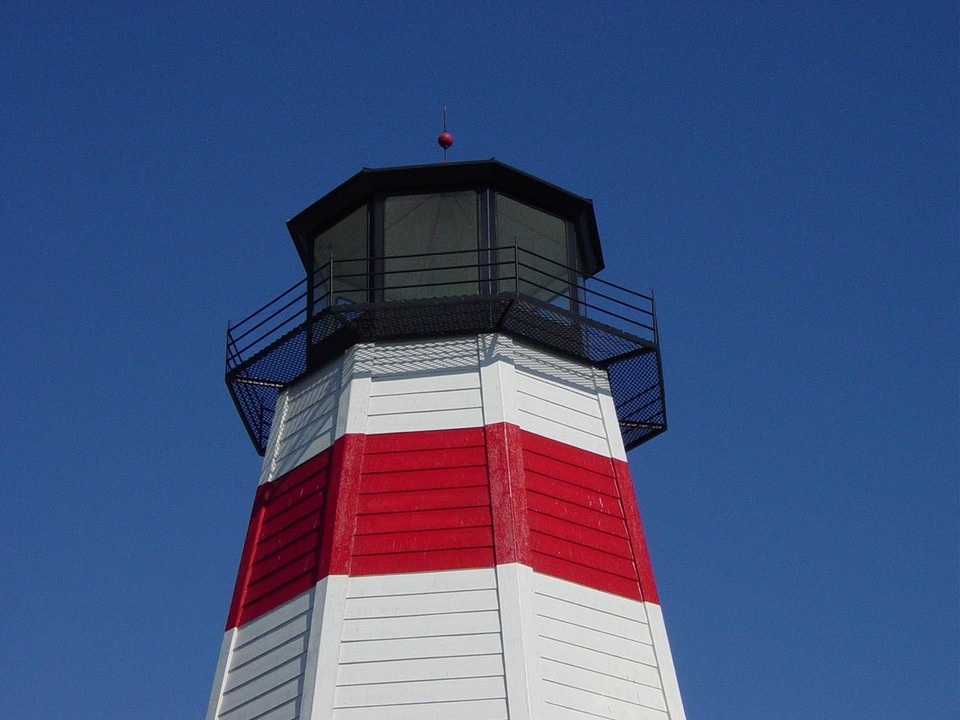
<point x="234" y="616"/>
<point x="508" y="497"/>
<point x="560" y="528"/>
<point x="579" y="530"/>
<point x="276" y="584"/>
<point x="433" y="479"/>
<point x="425" y="440"/>
<point x="425" y="561"/>
<point x="423" y="500"/>
<point x="573" y="474"/>
<point x="574" y="494"/>
<point x="341" y="516"/>
<point x="283" y="515"/>
<point x="567" y="454"/>
<point x="447" y="539"/>
<point x="648" y="585"/>
<point x="565" y="570"/>
<point x="436" y="519"/>
<point x="576" y="514"/>
<point x="269" y="562"/>
<point x="441" y="500"/>
<point x="572" y="551"/>
<point x="282" y="548"/>
<point x="451" y="457"/>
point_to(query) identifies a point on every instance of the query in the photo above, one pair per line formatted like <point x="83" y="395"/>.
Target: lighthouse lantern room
<point x="445" y="526"/>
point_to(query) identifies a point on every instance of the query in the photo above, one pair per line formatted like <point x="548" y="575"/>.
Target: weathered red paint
<point x="443" y="500"/>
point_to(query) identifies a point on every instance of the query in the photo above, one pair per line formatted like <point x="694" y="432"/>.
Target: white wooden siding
<point x="421" y="645"/>
<point x="425" y="402"/>
<point x="436" y="385"/>
<point x="668" y="673"/>
<point x="304" y="422"/>
<point x="560" y="411"/>
<point x="264" y="675"/>
<point x="597" y="656"/>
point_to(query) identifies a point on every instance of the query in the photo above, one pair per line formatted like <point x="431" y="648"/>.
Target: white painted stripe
<point x="418" y="422"/>
<point x="262" y="704"/>
<point x="287" y="675"/>
<point x="537" y="362"/>
<point x="589" y="597"/>
<point x="419" y="640"/>
<point x="319" y="686"/>
<point x="599" y="658"/>
<point x="417" y="669"/>
<point x="422" y="582"/>
<point x="426" y="383"/>
<point x="421" y="626"/>
<point x="425" y="357"/>
<point x="558" y="712"/>
<point x="471" y="710"/>
<point x="424" y="400"/>
<point x="647" y="693"/>
<point x="566" y="434"/>
<point x="521" y="661"/>
<point x="590" y="638"/>
<point x="264" y="670"/>
<point x="270" y="640"/>
<point x="226" y="650"/>
<point x="609" y="413"/>
<point x="426" y="691"/>
<point x="295" y="649"/>
<point x="668" y="674"/>
<point x="591" y="618"/>
<point x="430" y="647"/>
<point x="421" y="604"/>
<point x="557" y="394"/>
<point x="601" y="705"/>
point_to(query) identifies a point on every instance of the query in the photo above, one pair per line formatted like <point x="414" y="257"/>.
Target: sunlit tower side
<point x="445" y="524"/>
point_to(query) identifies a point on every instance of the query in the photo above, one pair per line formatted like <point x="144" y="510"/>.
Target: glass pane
<point x="430" y="246"/>
<point x="346" y="245"/>
<point x="542" y="239"/>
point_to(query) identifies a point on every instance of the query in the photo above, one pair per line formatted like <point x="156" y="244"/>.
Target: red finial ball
<point x="445" y="140"/>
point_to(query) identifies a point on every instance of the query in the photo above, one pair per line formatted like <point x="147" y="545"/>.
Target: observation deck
<point x="445" y="250"/>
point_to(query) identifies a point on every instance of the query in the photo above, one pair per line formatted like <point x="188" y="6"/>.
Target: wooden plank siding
<point x="304" y="422"/>
<point x="421" y="645"/>
<point x="597" y="654"/>
<point x="282" y="552"/>
<point x="465" y="500"/>
<point x="578" y="528"/>
<point x="424" y="503"/>
<point x="264" y="680"/>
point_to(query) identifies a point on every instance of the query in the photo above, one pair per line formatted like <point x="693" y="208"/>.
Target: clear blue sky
<point x="784" y="175"/>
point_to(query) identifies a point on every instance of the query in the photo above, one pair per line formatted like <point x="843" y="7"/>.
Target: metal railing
<point x="495" y="273"/>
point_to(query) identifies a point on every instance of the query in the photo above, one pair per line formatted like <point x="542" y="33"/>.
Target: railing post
<point x="653" y="311"/>
<point x="330" y="279"/>
<point x="516" y="267"/>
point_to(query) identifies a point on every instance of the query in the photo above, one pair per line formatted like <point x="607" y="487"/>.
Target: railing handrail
<point x="584" y="298"/>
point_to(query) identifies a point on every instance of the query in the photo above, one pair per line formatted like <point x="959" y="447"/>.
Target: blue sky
<point x="784" y="175"/>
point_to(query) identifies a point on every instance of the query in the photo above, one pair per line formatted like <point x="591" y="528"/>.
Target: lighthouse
<point x="445" y="525"/>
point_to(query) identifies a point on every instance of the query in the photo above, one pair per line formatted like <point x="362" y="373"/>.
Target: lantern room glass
<point x="541" y="241"/>
<point x="342" y="252"/>
<point x="430" y="246"/>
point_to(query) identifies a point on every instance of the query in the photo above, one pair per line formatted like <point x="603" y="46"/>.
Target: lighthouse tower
<point x="445" y="527"/>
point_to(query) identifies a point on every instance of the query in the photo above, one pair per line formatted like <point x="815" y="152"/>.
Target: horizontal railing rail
<point x="509" y="271"/>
